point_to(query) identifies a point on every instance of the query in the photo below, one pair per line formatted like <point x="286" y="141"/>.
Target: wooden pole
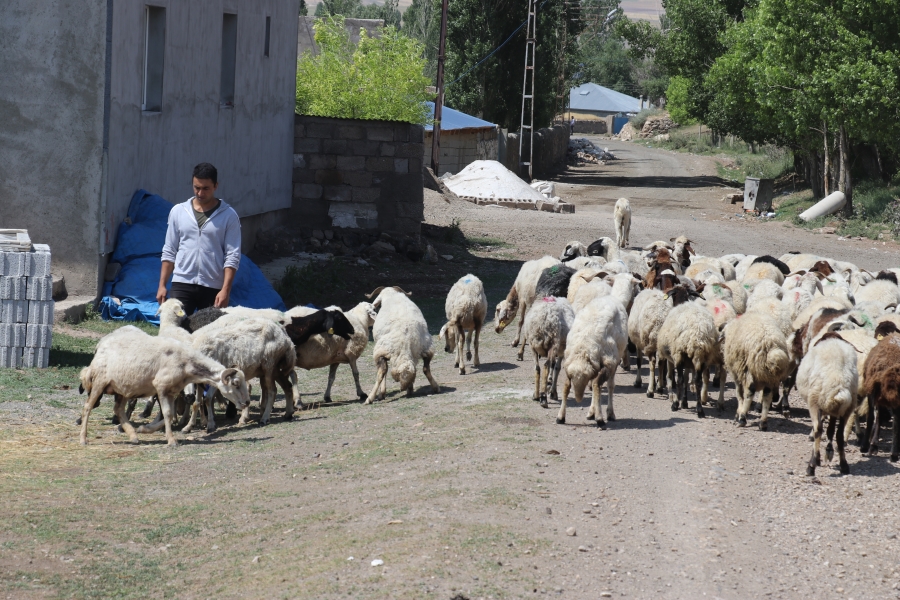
<point x="439" y="101"/>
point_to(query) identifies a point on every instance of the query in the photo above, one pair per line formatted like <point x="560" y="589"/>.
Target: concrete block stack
<point x="26" y="307"/>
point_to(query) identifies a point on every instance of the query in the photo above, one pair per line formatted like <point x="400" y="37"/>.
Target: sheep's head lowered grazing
<point x="233" y="386"/>
<point x="573" y="250"/>
<point x="331" y="322"/>
<point x="506" y="311"/>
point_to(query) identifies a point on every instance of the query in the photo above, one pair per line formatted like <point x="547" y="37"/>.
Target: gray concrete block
<point x="307" y="191"/>
<point x="38" y="336"/>
<point x="13" y="311"/>
<point x="380" y="134"/>
<point x="351" y="163"/>
<point x="12" y="334"/>
<point x="35" y="358"/>
<point x="12" y="288"/>
<point x="11" y="358"/>
<point x="39" y="288"/>
<point x="401" y="165"/>
<point x="37" y="263"/>
<point x="12" y="264"/>
<point x="40" y="312"/>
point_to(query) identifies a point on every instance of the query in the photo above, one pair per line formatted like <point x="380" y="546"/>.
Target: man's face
<point x="204" y="189"/>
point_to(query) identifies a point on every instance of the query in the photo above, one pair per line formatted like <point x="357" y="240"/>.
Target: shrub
<point x="381" y="78"/>
<point x="638" y="120"/>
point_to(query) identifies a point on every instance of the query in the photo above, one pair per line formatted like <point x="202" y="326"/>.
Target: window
<point x="268" y="31"/>
<point x="229" y="56"/>
<point x="154" y="55"/>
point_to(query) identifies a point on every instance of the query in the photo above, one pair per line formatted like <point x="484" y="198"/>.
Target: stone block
<point x="350" y="132"/>
<point x="309" y="191"/>
<point x="303" y="176"/>
<point x="12" y="334"/>
<point x="401" y="165"/>
<point x="38" y="336"/>
<point x="351" y="163"/>
<point x="40" y="312"/>
<point x="379" y="134"/>
<point x="415" y="164"/>
<point x="307" y="145"/>
<point x="336" y="193"/>
<point x="11" y="358"/>
<point x="320" y="130"/>
<point x="401" y="132"/>
<point x="13" y="288"/>
<point x="35" y="358"/>
<point x="13" y="311"/>
<point x="37" y="264"/>
<point x="299" y="130"/>
<point x="327" y="177"/>
<point x="387" y="149"/>
<point x="357" y="179"/>
<point x="410" y="210"/>
<point x="39" y="288"/>
<point x="322" y="161"/>
<point x="353" y="216"/>
<point x="379" y="164"/>
<point x="409" y="150"/>
<point x="299" y="162"/>
<point x="366" y="148"/>
<point x="416" y="134"/>
<point x="364" y="195"/>
<point x="337" y="146"/>
<point x="12" y="264"/>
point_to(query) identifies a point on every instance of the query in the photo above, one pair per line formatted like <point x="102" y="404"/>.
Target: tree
<point x="304" y="11"/>
<point x="355" y="9"/>
<point x="422" y="21"/>
<point x="380" y="78"/>
<point x="493" y="89"/>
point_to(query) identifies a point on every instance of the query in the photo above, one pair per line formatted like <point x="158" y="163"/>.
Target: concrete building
<point x="464" y="139"/>
<point x="592" y="102"/>
<point x="102" y="97"/>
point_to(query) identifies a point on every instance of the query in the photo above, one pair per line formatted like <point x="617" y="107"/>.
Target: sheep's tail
<point x="776" y="360"/>
<point x="403" y="369"/>
<point x="85" y="377"/>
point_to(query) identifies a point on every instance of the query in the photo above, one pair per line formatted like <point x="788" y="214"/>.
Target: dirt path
<point x="468" y="493"/>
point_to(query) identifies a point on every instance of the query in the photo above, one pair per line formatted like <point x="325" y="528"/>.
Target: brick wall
<point x="358" y="174"/>
<point x="550" y="145"/>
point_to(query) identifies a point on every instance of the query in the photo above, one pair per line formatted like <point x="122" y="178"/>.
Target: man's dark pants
<point x="193" y="297"/>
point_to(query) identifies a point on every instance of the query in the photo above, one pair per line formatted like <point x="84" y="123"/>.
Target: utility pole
<point x="528" y="89"/>
<point x="439" y="101"/>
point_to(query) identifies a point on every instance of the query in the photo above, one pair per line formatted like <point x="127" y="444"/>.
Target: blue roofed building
<point x="592" y="102"/>
<point x="464" y="139"/>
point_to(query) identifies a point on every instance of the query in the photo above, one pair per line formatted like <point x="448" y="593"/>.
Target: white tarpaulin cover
<point x="490" y="179"/>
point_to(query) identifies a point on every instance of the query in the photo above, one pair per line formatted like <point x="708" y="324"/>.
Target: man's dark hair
<point x="206" y="171"/>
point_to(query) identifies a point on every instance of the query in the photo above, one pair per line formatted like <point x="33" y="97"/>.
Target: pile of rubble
<point x="659" y="125"/>
<point x="583" y="151"/>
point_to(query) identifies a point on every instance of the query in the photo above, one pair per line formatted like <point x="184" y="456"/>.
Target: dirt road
<point x="473" y="492"/>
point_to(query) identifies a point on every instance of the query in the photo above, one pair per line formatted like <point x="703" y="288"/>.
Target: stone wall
<point x="595" y="127"/>
<point x="459" y="149"/>
<point x="550" y="145"/>
<point x="357" y="174"/>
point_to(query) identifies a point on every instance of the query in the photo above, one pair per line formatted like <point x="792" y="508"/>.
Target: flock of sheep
<point x="825" y="326"/>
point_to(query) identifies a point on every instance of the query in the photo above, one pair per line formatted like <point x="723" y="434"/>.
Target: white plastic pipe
<point x="827" y="205"/>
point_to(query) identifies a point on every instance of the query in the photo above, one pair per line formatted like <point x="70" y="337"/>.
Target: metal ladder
<point x="527" y="122"/>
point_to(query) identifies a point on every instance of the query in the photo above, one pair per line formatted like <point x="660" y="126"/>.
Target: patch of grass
<point x="316" y="283"/>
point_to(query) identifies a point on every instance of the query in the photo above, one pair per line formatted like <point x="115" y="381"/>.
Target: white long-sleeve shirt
<point x="201" y="255"/>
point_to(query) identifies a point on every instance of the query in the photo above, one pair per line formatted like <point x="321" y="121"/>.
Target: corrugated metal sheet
<point x="453" y="120"/>
<point x="591" y="96"/>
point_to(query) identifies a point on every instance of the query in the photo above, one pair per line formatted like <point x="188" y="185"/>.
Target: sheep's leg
<point x="192" y="417"/>
<point x="704" y="390"/>
<point x="291" y="391"/>
<point x="355" y="370"/>
<point x="165" y="406"/>
<point x="520" y="315"/>
<point x="651" y="387"/>
<point x="869" y="439"/>
<point x="536" y="396"/>
<point x="469" y="335"/>
<point x="567" y="386"/>
<point x="522" y="311"/>
<point x="721" y="400"/>
<point x="148" y="408"/>
<point x="745" y="397"/>
<point x="543" y="374"/>
<point x="852" y="424"/>
<point x="717" y="379"/>
<point x="124" y="423"/>
<point x="684" y="373"/>
<point x="841" y="442"/>
<point x="426" y="368"/>
<point x="460" y="349"/>
<point x="132" y="403"/>
<point x="332" y="372"/>
<point x="814" y="460"/>
<point x="267" y="397"/>
<point x="610" y="388"/>
<point x="381" y="365"/>
<point x="477" y="334"/>
<point x="561" y="415"/>
<point x="829" y="447"/>
<point x="596" y="392"/>
<point x="672" y="377"/>
<point x="895" y="443"/>
<point x="766" y="400"/>
<point x="638" y="383"/>
<point x="626" y="360"/>
<point x="211" y="412"/>
<point x="383" y="391"/>
<point x="189" y="399"/>
<point x="557" y="365"/>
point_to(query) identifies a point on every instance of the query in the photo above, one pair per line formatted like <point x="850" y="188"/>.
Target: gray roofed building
<point x="592" y="101"/>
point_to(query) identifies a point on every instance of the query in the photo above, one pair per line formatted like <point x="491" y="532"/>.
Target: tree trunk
<point x="845" y="184"/>
<point x="827" y="171"/>
<point x="812" y="172"/>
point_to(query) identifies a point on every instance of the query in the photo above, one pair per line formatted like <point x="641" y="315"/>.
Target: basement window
<point x="154" y="57"/>
<point x="229" y="57"/>
<point x="268" y="32"/>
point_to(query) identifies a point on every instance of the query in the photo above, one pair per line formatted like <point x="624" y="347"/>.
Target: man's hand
<point x="222" y="299"/>
<point x="165" y="272"/>
<point x="161" y="294"/>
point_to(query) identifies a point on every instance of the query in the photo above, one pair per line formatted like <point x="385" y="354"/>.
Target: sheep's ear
<point x="375" y="293"/>
<point x="229" y="375"/>
<point x="689" y="249"/>
<point x="672" y="239"/>
<point x="399" y="289"/>
<point x="443" y="332"/>
<point x="80" y="388"/>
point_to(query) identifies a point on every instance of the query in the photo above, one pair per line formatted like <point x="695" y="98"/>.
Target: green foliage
<point x="355" y="9"/>
<point x="422" y="22"/>
<point x="304" y="10"/>
<point x="493" y="90"/>
<point x="678" y="99"/>
<point x="380" y="78"/>
<point x="638" y="120"/>
<point x="876" y="212"/>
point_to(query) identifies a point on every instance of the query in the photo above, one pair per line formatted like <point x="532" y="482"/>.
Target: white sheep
<point x="466" y="310"/>
<point x="827" y="379"/>
<point x="131" y="364"/>
<point x="756" y="355"/>
<point x="546" y="326"/>
<point x="594" y="347"/>
<point x="702" y="263"/>
<point x="647" y="316"/>
<point x="264" y="313"/>
<point x="259" y="347"/>
<point x="323" y="350"/>
<point x="584" y="262"/>
<point x="520" y="298"/>
<point x="401" y="340"/>
<point x="622" y="219"/>
<point x="573" y="250"/>
<point x="882" y="292"/>
<point x="632" y="260"/>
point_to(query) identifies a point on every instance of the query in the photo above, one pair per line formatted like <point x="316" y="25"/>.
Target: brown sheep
<point x="881" y="381"/>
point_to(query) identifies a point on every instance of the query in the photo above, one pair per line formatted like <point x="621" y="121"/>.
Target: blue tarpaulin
<point x="132" y="295"/>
